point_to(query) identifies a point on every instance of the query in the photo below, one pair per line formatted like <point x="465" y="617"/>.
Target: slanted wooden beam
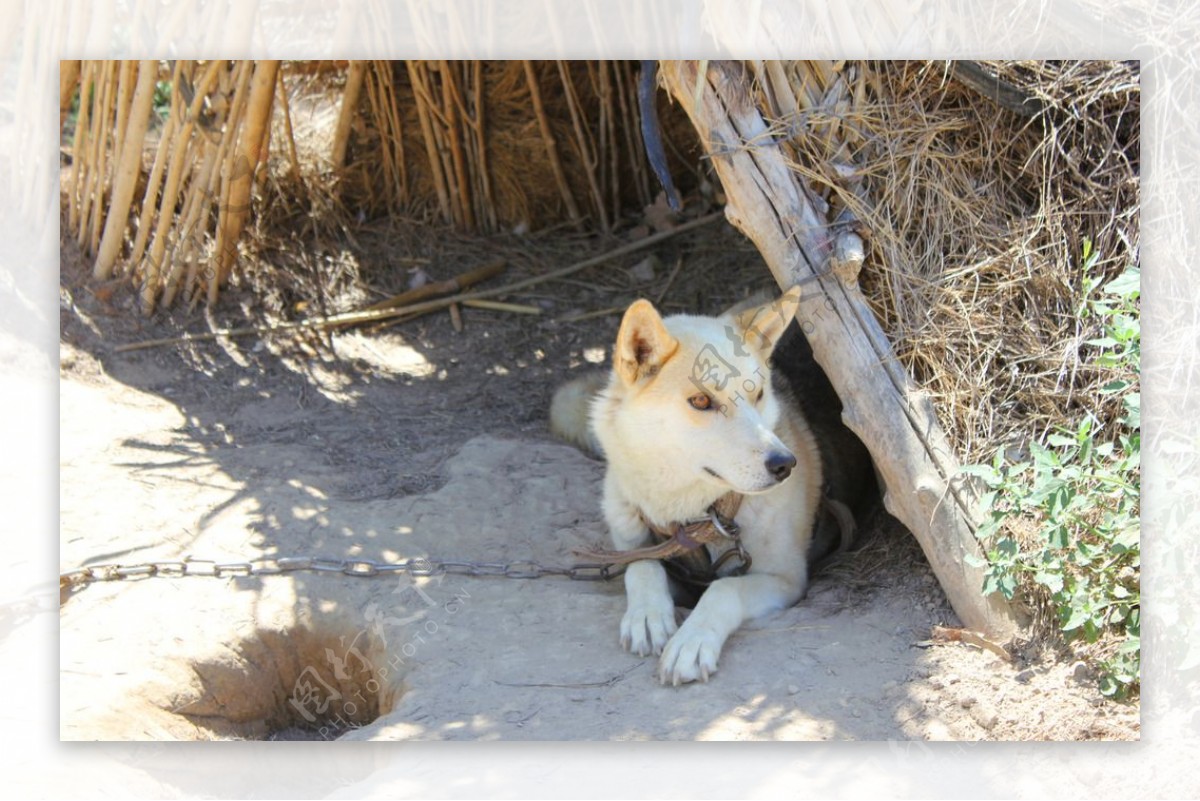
<point x="770" y="204"/>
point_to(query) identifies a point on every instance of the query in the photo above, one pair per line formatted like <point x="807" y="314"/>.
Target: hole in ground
<point x="300" y="683"/>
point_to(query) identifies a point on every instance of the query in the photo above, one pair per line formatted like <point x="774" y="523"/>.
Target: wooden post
<point x="768" y="202"/>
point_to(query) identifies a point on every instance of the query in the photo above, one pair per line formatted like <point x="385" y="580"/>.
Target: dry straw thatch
<point x="500" y="145"/>
<point x="975" y="216"/>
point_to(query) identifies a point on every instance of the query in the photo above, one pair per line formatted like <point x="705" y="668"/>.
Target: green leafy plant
<point x="1063" y="513"/>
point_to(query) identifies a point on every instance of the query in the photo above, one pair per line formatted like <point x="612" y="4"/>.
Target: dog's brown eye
<point x="758" y="397"/>
<point x="700" y="402"/>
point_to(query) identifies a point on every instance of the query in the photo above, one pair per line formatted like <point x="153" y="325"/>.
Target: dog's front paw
<point x="647" y="626"/>
<point x="690" y="655"/>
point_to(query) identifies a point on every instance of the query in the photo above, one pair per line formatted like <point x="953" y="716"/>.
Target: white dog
<point x="688" y="419"/>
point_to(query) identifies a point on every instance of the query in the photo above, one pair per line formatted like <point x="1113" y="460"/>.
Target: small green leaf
<point x="1129" y="537"/>
<point x="989" y="475"/>
<point x="1056" y="536"/>
<point x="1051" y="581"/>
<point x="1127" y="284"/>
<point x="1075" y="619"/>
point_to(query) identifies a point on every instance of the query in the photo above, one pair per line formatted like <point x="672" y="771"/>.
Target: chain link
<point x="417" y="567"/>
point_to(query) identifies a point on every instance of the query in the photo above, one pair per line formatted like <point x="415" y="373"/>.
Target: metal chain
<point x="360" y="568"/>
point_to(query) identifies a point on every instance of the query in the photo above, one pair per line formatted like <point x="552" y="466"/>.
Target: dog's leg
<point x="649" y="619"/>
<point x="692" y="653"/>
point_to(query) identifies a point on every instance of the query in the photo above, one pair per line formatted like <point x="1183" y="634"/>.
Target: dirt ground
<point x="422" y="441"/>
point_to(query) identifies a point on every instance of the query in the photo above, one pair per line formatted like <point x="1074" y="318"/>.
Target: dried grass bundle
<point x="977" y="219"/>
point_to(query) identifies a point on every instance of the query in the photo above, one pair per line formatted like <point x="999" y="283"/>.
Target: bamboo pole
<point x="535" y="97"/>
<point x="129" y="167"/>
<point x="465" y="133"/>
<point x="79" y="149"/>
<point x="341" y="134"/>
<point x="767" y="202"/>
<point x="125" y="79"/>
<point x="286" y="105"/>
<point x="97" y="144"/>
<point x="466" y="217"/>
<point x="416" y="74"/>
<point x="250" y="149"/>
<point x="374" y="85"/>
<point x="104" y="172"/>
<point x="608" y="143"/>
<point x="478" y="124"/>
<point x="68" y="81"/>
<point x="438" y="288"/>
<point x="229" y="169"/>
<point x="494" y="305"/>
<point x="149" y="198"/>
<point x="385" y="68"/>
<point x="189" y="231"/>
<point x="587" y="154"/>
<point x="439" y="129"/>
<point x="175" y="170"/>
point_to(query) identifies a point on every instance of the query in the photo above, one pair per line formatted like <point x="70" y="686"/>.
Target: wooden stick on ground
<point x="429" y="305"/>
<point x="447" y="287"/>
<point x="495" y="305"/>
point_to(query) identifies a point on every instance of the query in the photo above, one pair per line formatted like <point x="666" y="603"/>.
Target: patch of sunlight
<point x="759" y="718"/>
<point x="312" y="492"/>
<point x="388" y="353"/>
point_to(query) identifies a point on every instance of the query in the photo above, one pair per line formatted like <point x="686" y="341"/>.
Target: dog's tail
<point x="570" y="412"/>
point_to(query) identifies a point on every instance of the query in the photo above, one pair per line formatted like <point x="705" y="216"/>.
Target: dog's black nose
<point x="780" y="464"/>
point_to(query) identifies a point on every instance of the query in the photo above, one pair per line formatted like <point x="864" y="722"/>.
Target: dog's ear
<point x="643" y="343"/>
<point x="762" y="326"/>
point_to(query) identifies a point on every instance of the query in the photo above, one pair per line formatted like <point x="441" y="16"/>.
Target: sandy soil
<point x="418" y="441"/>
